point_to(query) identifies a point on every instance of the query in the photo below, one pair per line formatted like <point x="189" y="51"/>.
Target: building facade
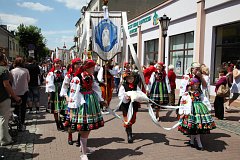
<point x="206" y="31"/>
<point x="8" y="43"/>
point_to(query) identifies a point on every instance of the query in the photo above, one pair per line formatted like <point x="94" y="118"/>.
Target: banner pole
<point x="106" y="83"/>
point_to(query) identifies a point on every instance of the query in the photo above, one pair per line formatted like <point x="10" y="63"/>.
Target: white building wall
<point x="214" y="3"/>
<point x="183" y="19"/>
<point x="217" y="16"/>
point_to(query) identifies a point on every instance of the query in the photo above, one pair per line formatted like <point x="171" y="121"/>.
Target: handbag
<point x="223" y="91"/>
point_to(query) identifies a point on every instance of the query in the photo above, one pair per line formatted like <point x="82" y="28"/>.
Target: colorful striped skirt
<point x="159" y="93"/>
<point x="199" y="121"/>
<point x="89" y="114"/>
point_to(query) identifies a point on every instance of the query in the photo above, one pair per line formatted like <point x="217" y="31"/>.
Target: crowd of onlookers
<point x="19" y="85"/>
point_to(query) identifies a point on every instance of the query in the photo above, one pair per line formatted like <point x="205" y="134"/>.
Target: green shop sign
<point x="133" y="27"/>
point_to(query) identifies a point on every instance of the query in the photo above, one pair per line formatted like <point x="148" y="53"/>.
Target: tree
<point x="30" y="37"/>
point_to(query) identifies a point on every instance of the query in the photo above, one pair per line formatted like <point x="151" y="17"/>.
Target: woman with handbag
<point x="219" y="99"/>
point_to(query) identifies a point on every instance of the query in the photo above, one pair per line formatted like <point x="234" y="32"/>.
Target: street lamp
<point x="164" y="22"/>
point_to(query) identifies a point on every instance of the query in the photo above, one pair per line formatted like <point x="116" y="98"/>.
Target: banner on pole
<point x="106" y="35"/>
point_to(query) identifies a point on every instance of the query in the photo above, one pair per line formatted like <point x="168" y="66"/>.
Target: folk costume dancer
<point x="71" y="113"/>
<point x="54" y="81"/>
<point x="106" y="81"/>
<point x="128" y="85"/>
<point x="86" y="95"/>
<point x="195" y="114"/>
<point x="159" y="87"/>
<point x="193" y="72"/>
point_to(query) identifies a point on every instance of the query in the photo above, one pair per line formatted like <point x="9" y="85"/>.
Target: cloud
<point x="73" y="4"/>
<point x="13" y="21"/>
<point x="53" y="42"/>
<point x="35" y="6"/>
<point x="58" y="32"/>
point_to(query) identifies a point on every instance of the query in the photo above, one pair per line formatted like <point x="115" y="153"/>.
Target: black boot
<point x="78" y="140"/>
<point x="129" y="134"/>
<point x="60" y="126"/>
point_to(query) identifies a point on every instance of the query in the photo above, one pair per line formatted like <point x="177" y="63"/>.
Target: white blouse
<point x="21" y="78"/>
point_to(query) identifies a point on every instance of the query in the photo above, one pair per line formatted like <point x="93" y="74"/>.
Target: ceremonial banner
<point x="106" y="35"/>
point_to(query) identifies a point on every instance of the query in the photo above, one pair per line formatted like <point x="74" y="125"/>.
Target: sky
<point x="55" y="18"/>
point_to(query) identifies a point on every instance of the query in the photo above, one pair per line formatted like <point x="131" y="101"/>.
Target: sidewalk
<point x="41" y="140"/>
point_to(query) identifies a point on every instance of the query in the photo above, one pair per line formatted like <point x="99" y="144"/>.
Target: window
<point x="181" y="52"/>
<point x="10" y="45"/>
<point x="227" y="45"/>
<point x="13" y="45"/>
<point x="130" y="58"/>
<point x="151" y="51"/>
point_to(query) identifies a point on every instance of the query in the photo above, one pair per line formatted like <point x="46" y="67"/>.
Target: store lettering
<point x="132" y="27"/>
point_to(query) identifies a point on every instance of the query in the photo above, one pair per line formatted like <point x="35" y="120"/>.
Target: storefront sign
<point x="133" y="27"/>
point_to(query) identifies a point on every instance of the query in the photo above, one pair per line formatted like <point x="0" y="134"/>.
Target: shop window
<point x="10" y="45"/>
<point x="227" y="46"/>
<point x="130" y="58"/>
<point x="151" y="51"/>
<point x="181" y="52"/>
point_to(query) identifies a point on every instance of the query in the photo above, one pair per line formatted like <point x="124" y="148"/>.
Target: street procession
<point x="143" y="80"/>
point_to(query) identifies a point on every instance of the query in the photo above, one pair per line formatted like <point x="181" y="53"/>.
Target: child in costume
<point x="70" y="113"/>
<point x="159" y="87"/>
<point x="195" y="116"/>
<point x="85" y="96"/>
<point x="54" y="81"/>
<point x="193" y="72"/>
<point x="128" y="85"/>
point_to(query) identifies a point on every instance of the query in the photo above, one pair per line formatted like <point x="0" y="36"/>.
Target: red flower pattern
<point x="77" y="81"/>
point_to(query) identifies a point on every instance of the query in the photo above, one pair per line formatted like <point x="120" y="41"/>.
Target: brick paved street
<point x="41" y="140"/>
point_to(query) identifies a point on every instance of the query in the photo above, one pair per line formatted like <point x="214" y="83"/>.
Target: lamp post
<point x="164" y="22"/>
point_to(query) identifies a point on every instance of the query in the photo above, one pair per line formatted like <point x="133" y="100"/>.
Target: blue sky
<point x="56" y="18"/>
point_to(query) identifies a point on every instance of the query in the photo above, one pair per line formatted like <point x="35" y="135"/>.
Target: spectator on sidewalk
<point x="21" y="78"/>
<point x="33" y="94"/>
<point x="172" y="81"/>
<point x="235" y="89"/>
<point x="5" y="102"/>
<point x="219" y="100"/>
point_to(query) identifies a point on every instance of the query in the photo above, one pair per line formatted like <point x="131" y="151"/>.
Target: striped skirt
<point x="89" y="114"/>
<point x="159" y="93"/>
<point x="199" y="121"/>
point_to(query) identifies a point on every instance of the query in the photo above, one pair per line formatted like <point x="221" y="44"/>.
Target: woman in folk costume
<point x="54" y="81"/>
<point x="128" y="85"/>
<point x="195" y="113"/>
<point x="71" y="113"/>
<point x="106" y="90"/>
<point x="159" y="87"/>
<point x="85" y="95"/>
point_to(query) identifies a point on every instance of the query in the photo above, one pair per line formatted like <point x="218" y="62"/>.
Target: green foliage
<point x="32" y="35"/>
